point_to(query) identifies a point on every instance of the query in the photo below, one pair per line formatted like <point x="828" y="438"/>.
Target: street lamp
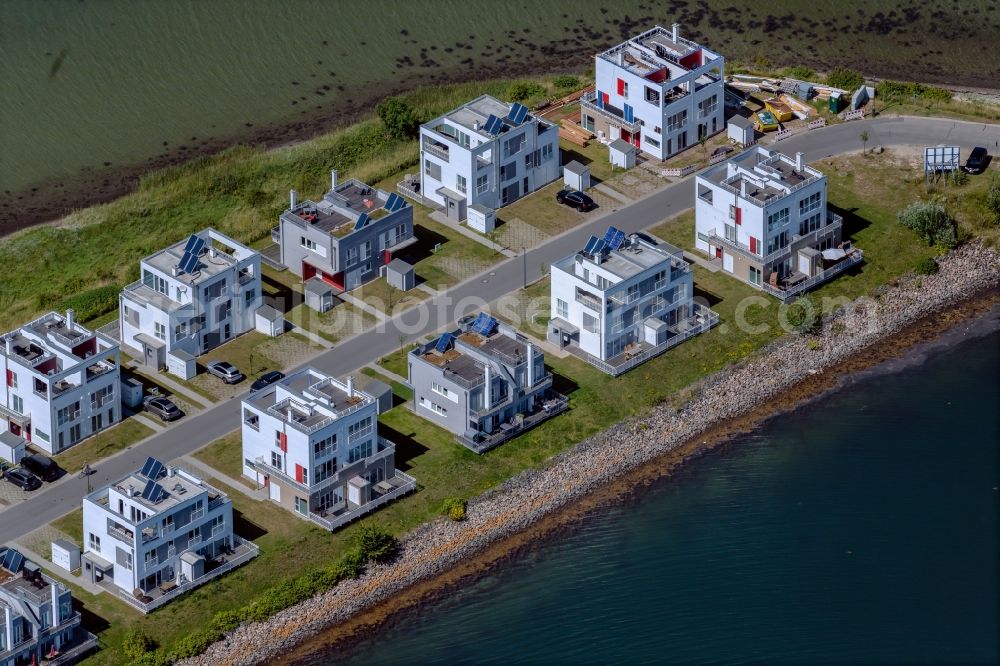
<point x="86" y="472"/>
<point x="524" y="266"/>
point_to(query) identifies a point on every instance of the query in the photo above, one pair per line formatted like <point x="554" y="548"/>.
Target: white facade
<point x="135" y="537"/>
<point x="658" y="91"/>
<point x="764" y="212"/>
<point x="604" y="302"/>
<point x="313" y="441"/>
<point x="462" y="164"/>
<point x="170" y="316"/>
<point x="60" y="382"/>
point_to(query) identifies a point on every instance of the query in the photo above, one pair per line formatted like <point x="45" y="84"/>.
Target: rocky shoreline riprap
<point x="525" y="499"/>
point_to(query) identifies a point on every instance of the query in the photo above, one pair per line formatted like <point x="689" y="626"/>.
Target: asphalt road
<point x="194" y="432"/>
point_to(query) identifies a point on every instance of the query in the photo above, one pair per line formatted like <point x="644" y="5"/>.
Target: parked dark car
<point x="225" y="371"/>
<point x="977" y="160"/>
<point x="575" y="199"/>
<point x="41" y="466"/>
<point x="266" y="380"/>
<point x="162" y="407"/>
<point x="23" y="479"/>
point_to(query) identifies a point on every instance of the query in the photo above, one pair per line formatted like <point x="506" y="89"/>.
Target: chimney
<point x="350" y="386"/>
<point x="70" y="315"/>
<point x="531" y="364"/>
<point x="488" y="389"/>
<point x="743" y="186"/>
<point x="798" y="161"/>
<point x="293" y="197"/>
<point x="333" y="179"/>
<point x="674" y="30"/>
<point x="9" y="344"/>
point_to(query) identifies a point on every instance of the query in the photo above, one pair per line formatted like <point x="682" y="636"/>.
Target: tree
<point x="864" y="141"/>
<point x="703" y="140"/>
<point x="931" y="221"/>
<point x="566" y="82"/>
<point x="399" y="118"/>
<point x="521" y="91"/>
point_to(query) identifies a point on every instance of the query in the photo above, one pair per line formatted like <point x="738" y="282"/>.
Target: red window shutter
<point x="10" y="378"/>
<point x="604" y="97"/>
<point x="621" y="87"/>
<point x="753" y="245"/>
<point x="298" y="472"/>
<point x="738" y="216"/>
<point x="283" y="442"/>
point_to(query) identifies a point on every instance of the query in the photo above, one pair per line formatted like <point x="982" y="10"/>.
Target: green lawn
<point x="443" y="256"/>
<point x="380" y="295"/>
<point x="541" y="211"/>
<point x="527" y="309"/>
<point x="103" y="444"/>
<point x="396" y="361"/>
<point x="400" y="391"/>
<point x="71" y="525"/>
<point x="225" y="454"/>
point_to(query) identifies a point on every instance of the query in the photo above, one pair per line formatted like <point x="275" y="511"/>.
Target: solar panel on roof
<point x="616" y="240"/>
<point x="444" y="342"/>
<point x="398" y="204"/>
<point x="517" y="113"/>
<point x="5" y="560"/>
<point x="192" y="239"/>
<point x="610" y="233"/>
<point x="189" y="264"/>
<point x="362" y="221"/>
<point x="600" y="246"/>
<point x="480" y="319"/>
<point x="152" y="469"/>
<point x="493" y="125"/>
<point x="13" y="560"/>
<point x="390" y="203"/>
<point x="591" y="244"/>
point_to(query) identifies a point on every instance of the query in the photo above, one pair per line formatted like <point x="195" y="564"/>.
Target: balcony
<point x="126" y="536"/>
<point x="383" y="492"/>
<point x="95" y="370"/>
<point x="624" y="297"/>
<point x="552" y="403"/>
<point x="794" y="288"/>
<point x="589" y="300"/>
<point x="612" y="114"/>
<point x="436" y="148"/>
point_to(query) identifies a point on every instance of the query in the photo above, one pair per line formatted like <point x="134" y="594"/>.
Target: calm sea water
<point x="862" y="529"/>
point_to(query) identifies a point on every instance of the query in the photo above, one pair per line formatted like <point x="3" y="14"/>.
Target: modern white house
<point x="312" y="441"/>
<point x="347" y="238"/>
<point x="763" y="217"/>
<point x="37" y="622"/>
<point x="485" y="382"/>
<point x="622" y="300"/>
<point x="60" y="382"/>
<point x="657" y="91"/>
<point x="157" y="533"/>
<point x="191" y="297"/>
<point x="486" y="152"/>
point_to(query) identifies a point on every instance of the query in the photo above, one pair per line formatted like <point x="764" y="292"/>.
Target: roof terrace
<point x="659" y="55"/>
<point x="219" y="253"/>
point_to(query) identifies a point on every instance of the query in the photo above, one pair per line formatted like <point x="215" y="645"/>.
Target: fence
<point x="816" y="124"/>
<point x="679" y="173"/>
<point x="856" y="114"/>
<point x="409" y="485"/>
<point x="783" y="134"/>
<point x="784" y="294"/>
<point x="148" y="607"/>
<point x="721" y="157"/>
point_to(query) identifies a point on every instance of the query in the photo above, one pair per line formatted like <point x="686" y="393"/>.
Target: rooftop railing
<point x="853" y="259"/>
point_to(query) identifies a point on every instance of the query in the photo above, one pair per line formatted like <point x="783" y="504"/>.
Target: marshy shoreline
<point x="916" y="316"/>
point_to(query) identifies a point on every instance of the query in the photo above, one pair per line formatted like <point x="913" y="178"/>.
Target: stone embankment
<point x="436" y="547"/>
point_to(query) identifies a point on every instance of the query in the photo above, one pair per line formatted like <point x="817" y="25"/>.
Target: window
<point x="251" y="419"/>
<point x="325" y="470"/>
<point x="11" y="379"/>
<point x="508" y="171"/>
<point x="159" y="330"/>
<point x="482" y="184"/>
<point x="754" y="276"/>
<point x="651" y="141"/>
<point x="677" y="121"/>
<point x="433" y="170"/>
<point x="513" y="146"/>
<point x="810" y="203"/>
<point x="94" y="542"/>
<point x="366" y="250"/>
<point x="301" y="506"/>
<point x="124" y="558"/>
<point x="276" y="460"/>
<point x="591" y="324"/>
<point x="652" y="96"/>
<point x="777" y="219"/>
<point x="307" y="243"/>
<point x="305" y="475"/>
<point x="74" y="434"/>
<point x="41" y="434"/>
<point x="101" y="396"/>
<point x="562" y="308"/>
<point x="359" y="429"/>
<point x="460" y="183"/>
<point x="437" y="388"/>
<point x="434" y="407"/>
<point x="546" y="152"/>
<point x="150" y="558"/>
<point x="777" y="242"/>
<point x="810" y="224"/>
<point x="154" y="282"/>
<point x="250" y="297"/>
<point x="68" y="413"/>
<point x="731" y="233"/>
<point x="325" y="446"/>
<point x="352" y="256"/>
<point x="363" y="450"/>
<point x="17" y="404"/>
<point x="623" y="87"/>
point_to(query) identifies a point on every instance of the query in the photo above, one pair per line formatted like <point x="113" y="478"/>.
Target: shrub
<point x="931" y="221"/>
<point x="93" y="303"/>
<point x="926" y="266"/>
<point x="801" y="316"/>
<point x="566" y="82"/>
<point x="904" y="89"/>
<point x="375" y="544"/>
<point x="993" y="198"/>
<point x="845" y="79"/>
<point x="522" y="91"/>
<point x="399" y="118"/>
<point x="454" y="508"/>
<point x="352" y="564"/>
<point x="813" y="344"/>
<point x="136" y="644"/>
<point x="800" y="72"/>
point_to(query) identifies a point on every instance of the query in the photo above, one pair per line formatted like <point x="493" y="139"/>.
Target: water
<point x="861" y="530"/>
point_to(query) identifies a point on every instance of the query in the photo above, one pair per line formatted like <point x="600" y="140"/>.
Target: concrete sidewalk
<point x="613" y="193"/>
<point x="701" y="261"/>
<point x="312" y="337"/>
<point x="441" y="218"/>
<point x="191" y="396"/>
<point x="388" y="373"/>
